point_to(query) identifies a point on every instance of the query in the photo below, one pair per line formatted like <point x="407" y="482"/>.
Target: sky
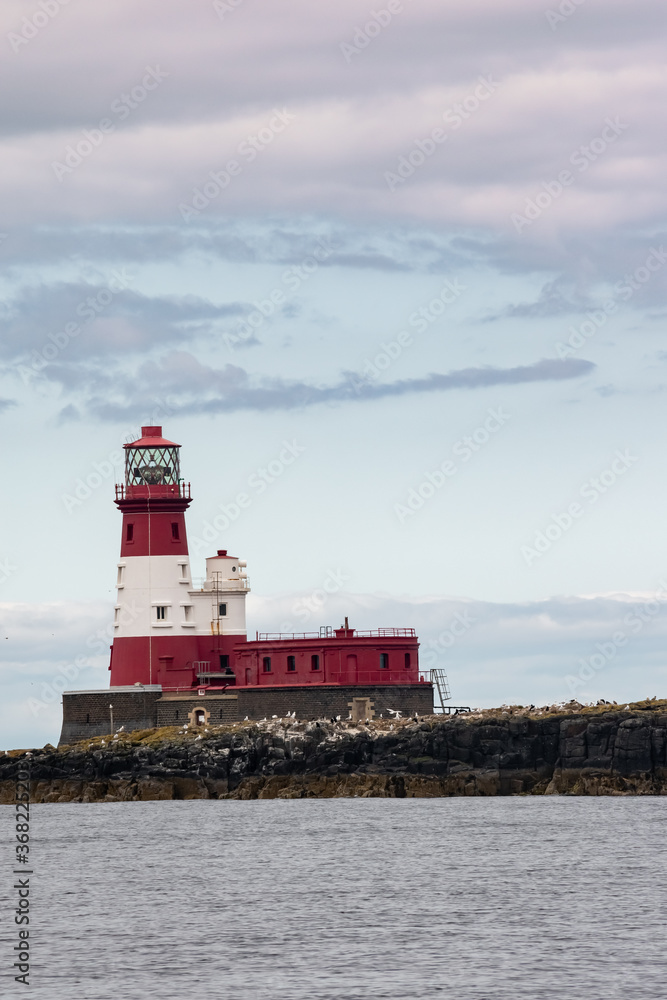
<point x="396" y="273"/>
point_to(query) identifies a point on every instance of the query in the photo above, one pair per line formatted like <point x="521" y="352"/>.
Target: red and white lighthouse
<point x="151" y="630"/>
<point x="167" y="632"/>
<point x="181" y="649"/>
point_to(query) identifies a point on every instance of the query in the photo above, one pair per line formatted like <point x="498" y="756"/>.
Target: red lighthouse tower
<point x="152" y="632"/>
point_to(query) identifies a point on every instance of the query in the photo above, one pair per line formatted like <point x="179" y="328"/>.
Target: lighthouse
<point x="165" y="631"/>
<point x="180" y="647"/>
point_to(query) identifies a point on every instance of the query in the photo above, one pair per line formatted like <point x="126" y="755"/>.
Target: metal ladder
<point x="441" y="685"/>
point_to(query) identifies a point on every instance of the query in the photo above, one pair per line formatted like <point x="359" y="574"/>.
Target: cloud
<point x="6" y="404"/>
<point x="552" y="92"/>
<point x="195" y="388"/>
<point x="110" y="319"/>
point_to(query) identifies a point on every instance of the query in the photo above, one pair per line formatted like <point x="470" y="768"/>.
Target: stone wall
<point x="86" y="713"/>
<point x="324" y="701"/>
<point x="218" y="709"/>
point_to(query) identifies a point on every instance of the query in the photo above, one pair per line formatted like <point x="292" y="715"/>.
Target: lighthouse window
<point x="174" y="531"/>
<point x="129" y="533"/>
<point x="314" y="662"/>
<point x="291" y="663"/>
<point x="222" y="610"/>
<point x="161" y="613"/>
<point x="407" y="661"/>
<point x="384" y="661"/>
<point x="266" y="664"/>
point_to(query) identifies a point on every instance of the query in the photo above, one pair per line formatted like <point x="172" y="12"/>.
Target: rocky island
<point x="555" y="750"/>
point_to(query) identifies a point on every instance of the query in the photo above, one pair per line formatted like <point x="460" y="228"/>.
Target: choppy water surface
<point x="357" y="899"/>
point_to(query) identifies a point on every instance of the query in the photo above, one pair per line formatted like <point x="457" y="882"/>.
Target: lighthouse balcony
<point x="132" y="491"/>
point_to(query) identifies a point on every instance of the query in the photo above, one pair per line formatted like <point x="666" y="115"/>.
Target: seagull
<point x="198" y="737"/>
<point x="274" y="716"/>
<point x="121" y="729"/>
<point x="246" y="719"/>
<point x="28" y="754"/>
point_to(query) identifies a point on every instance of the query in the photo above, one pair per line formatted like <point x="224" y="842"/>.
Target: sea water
<point x="344" y="899"/>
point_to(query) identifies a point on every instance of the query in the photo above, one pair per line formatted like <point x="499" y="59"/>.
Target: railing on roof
<point x="327" y="632"/>
<point x="141" y="491"/>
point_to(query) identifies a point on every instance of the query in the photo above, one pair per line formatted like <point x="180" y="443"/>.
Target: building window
<point x="407" y="661"/>
<point x="87" y="716"/>
<point x="222" y="610"/>
<point x="184" y="571"/>
<point x="224" y="661"/>
<point x="176" y="713"/>
<point x="291" y="663"/>
<point x="121" y="574"/>
<point x="161" y="614"/>
<point x="384" y="661"/>
<point x="129" y="533"/>
<point x="174" y="531"/>
<point x="266" y="664"/>
<point x="314" y="662"/>
<point x="220" y="713"/>
<point x="187" y="612"/>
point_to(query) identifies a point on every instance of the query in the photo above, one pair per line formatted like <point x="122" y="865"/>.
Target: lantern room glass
<point x="152" y="467"/>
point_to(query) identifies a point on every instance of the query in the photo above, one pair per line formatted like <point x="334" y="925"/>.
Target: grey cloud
<point x="247" y="240"/>
<point x="195" y="388"/>
<point x="130" y="323"/>
<point x="6" y="404"/>
<point x="291" y="53"/>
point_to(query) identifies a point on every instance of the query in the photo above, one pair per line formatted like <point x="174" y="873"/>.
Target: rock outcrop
<point x="586" y="751"/>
